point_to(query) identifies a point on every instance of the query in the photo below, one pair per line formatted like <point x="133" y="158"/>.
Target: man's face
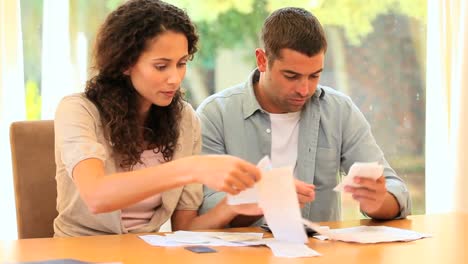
<point x="288" y="82"/>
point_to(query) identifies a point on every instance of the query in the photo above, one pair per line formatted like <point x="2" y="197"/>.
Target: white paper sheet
<point x="371" y="234"/>
<point x="291" y="249"/>
<point x="226" y="236"/>
<point x="186" y="238"/>
<point x="276" y="194"/>
<point x="280" y="205"/>
<point x="370" y="170"/>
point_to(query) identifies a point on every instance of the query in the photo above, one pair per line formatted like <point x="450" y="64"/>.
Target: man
<point x="282" y="111"/>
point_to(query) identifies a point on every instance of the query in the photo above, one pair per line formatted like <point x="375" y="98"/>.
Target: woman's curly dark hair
<point x="120" y="41"/>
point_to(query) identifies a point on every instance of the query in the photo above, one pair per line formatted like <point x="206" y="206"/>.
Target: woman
<point x="126" y="148"/>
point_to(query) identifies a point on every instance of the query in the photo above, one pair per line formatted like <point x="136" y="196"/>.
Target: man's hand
<point x="373" y="198"/>
<point x="305" y="192"/>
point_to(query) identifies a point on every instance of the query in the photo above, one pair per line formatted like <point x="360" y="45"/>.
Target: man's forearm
<point x="244" y="220"/>
<point x="218" y="217"/>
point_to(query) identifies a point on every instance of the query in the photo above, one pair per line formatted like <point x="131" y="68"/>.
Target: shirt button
<point x="268" y="130"/>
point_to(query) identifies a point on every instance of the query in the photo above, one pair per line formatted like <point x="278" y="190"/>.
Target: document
<point x="291" y="249"/>
<point x="280" y="205"/>
<point x="187" y="238"/>
<point x="276" y="194"/>
<point x="371" y="234"/>
<point x="371" y="170"/>
<point x="230" y="239"/>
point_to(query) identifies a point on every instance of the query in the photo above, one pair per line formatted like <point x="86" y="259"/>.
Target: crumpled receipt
<point x="371" y="170"/>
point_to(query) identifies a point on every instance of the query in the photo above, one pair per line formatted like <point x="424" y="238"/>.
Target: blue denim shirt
<point x="333" y="134"/>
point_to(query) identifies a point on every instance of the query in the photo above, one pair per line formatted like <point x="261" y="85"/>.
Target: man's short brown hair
<point x="293" y="28"/>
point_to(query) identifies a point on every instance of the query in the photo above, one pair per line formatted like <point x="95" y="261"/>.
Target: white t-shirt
<point x="284" y="139"/>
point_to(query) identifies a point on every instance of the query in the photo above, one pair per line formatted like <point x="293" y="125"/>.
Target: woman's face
<point x="160" y="69"/>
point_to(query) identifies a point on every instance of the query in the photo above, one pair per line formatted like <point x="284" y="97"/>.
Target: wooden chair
<point x="32" y="154"/>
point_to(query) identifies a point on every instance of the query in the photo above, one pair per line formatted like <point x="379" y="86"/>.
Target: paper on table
<point x="184" y="238"/>
<point x="368" y="170"/>
<point x="230" y="239"/>
<point x="291" y="249"/>
<point x="239" y="237"/>
<point x="250" y="195"/>
<point x="372" y="234"/>
<point x="280" y="206"/>
<point x="226" y="236"/>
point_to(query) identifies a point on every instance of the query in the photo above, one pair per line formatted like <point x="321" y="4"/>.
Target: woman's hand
<point x="224" y="172"/>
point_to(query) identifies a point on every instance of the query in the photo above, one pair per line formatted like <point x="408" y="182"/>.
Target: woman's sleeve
<point x="76" y="129"/>
<point x="192" y="194"/>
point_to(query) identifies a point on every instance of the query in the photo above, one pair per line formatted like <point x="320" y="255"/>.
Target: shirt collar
<point x="250" y="104"/>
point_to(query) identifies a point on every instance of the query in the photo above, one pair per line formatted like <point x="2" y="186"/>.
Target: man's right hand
<point x="305" y="192"/>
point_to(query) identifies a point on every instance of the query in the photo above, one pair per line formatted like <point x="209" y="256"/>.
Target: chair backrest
<point x="32" y="155"/>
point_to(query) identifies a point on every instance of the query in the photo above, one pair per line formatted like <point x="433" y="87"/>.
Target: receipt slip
<point x="371" y="170"/>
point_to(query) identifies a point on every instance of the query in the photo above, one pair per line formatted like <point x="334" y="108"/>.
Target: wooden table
<point x="449" y="244"/>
